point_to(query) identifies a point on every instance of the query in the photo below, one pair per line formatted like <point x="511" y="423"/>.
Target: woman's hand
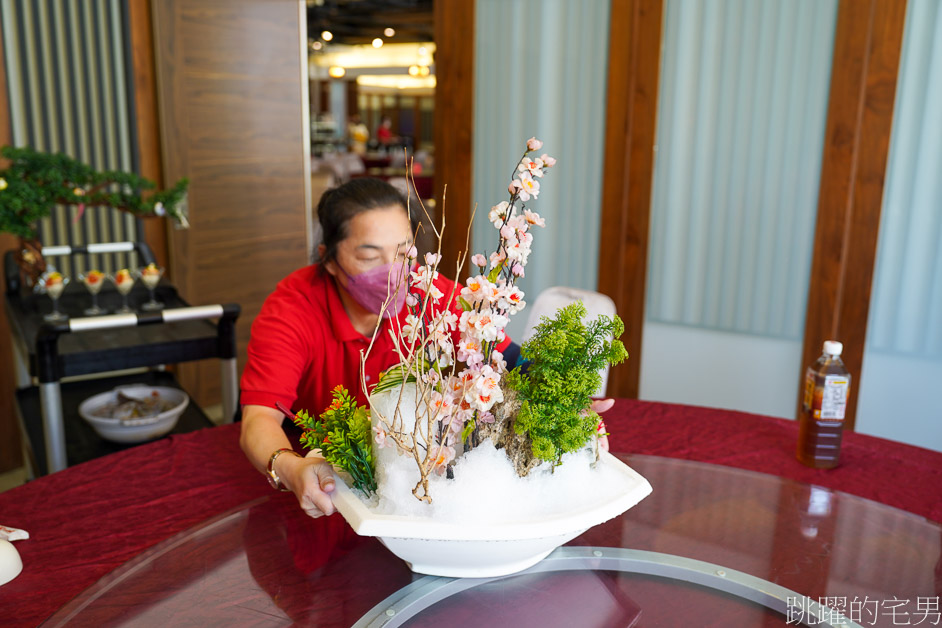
<point x="311" y="480"/>
<point x="599" y="406"/>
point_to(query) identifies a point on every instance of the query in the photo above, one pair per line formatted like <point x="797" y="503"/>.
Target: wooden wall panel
<point x="454" y="113"/>
<point x="232" y="105"/>
<point x="146" y="115"/>
<point x="860" y="115"/>
<point x="634" y="59"/>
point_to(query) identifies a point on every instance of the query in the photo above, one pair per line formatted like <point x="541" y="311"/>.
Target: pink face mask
<point x="371" y="288"/>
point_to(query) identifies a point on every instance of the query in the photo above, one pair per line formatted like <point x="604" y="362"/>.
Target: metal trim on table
<point x="412" y="599"/>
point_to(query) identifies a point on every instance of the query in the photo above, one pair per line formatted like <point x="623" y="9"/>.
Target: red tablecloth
<point x="89" y="519"/>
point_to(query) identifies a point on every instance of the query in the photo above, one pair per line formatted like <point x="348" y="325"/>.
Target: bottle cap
<point x="833" y="347"/>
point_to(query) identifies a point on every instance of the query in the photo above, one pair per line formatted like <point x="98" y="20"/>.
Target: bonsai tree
<point x="35" y="182"/>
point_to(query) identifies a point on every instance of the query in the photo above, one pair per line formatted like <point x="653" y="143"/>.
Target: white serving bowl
<point x="134" y="430"/>
<point x="484" y="551"/>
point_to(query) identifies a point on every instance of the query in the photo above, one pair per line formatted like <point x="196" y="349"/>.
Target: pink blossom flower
<point x="548" y="162"/>
<point x="486" y="417"/>
<point x="518" y="223"/>
<point x="533" y="166"/>
<point x="479" y="260"/>
<point x="517" y="270"/>
<point x="380" y="436"/>
<point x="440" y="405"/>
<point x="534" y="144"/>
<point x="497" y="258"/>
<point x="533" y="218"/>
<point x="412" y="300"/>
<point x="489" y="325"/>
<point x="514" y="187"/>
<point x="469" y="351"/>
<point x="412" y="253"/>
<point x="432" y="259"/>
<point x="449" y="320"/>
<point x="440" y="456"/>
<point x="486" y="390"/>
<point x="498" y="363"/>
<point x="475" y="289"/>
<point x="431" y="377"/>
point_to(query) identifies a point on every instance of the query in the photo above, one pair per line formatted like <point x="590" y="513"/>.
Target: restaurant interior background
<point x="745" y="179"/>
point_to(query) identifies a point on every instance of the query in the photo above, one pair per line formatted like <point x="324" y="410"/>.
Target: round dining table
<point x="736" y="532"/>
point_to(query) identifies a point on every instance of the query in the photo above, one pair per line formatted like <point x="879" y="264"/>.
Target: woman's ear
<point x="329" y="265"/>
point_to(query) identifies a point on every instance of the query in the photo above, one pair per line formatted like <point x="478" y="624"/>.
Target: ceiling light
<point x="423" y="70"/>
<point x="327" y="35"/>
<point x="413" y="70"/>
<point x="377" y="43"/>
<point x="336" y="71"/>
<point x="423" y="50"/>
<point x="390" y="32"/>
<point x="316" y="45"/>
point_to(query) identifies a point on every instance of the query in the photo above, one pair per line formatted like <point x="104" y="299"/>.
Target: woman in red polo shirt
<point x="308" y="337"/>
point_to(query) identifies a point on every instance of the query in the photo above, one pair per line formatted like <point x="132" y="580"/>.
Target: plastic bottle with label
<point x="827" y="388"/>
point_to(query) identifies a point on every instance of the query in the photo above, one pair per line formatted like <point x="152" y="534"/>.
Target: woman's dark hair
<point x="339" y="205"/>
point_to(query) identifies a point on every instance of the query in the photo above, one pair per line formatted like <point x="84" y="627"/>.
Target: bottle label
<point x="809" y="389"/>
<point x="834" y="397"/>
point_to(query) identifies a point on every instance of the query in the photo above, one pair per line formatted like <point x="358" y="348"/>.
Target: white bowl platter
<point x="483" y="551"/>
<point x="134" y="430"/>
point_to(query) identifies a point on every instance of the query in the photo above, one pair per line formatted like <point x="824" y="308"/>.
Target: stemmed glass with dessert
<point x="93" y="280"/>
<point x="150" y="276"/>
<point x="54" y="283"/>
<point x="123" y="281"/>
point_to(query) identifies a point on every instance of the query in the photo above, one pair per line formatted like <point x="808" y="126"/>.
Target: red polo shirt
<point x="303" y="345"/>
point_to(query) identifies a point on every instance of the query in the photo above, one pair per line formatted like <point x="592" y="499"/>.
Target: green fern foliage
<point x="565" y="356"/>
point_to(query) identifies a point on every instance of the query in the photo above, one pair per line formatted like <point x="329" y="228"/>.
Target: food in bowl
<point x="134" y="414"/>
<point x="127" y="407"/>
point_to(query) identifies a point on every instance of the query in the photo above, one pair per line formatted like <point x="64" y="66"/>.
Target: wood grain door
<point x="232" y="95"/>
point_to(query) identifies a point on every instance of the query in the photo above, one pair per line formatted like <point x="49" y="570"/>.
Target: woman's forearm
<point x="261" y="435"/>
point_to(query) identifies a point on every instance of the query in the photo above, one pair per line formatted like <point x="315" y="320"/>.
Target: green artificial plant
<point x="344" y="436"/>
<point x="35" y="182"/>
<point x="565" y="356"/>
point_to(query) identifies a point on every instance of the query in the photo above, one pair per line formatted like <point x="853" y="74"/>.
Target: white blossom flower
<point x="498" y="213"/>
<point x="529" y="185"/>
